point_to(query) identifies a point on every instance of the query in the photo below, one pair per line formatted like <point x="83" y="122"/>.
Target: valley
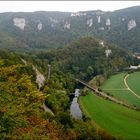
<point x="70" y="75"/>
<point x="52" y="77"/>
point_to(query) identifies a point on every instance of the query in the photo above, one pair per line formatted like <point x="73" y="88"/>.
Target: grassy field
<point x="116" y="119"/>
<point x="133" y="82"/>
<point x="115" y="82"/>
<point x="116" y="87"/>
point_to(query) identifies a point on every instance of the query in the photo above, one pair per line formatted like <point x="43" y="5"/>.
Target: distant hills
<point x="41" y="30"/>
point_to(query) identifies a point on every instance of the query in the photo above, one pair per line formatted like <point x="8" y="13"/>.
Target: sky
<point x="67" y="6"/>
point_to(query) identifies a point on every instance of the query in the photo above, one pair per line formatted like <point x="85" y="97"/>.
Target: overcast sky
<point x="69" y="6"/>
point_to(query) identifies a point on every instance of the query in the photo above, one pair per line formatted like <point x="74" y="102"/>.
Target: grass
<point x="133" y="82"/>
<point x="116" y="119"/>
<point x="115" y="82"/>
<point x="116" y="87"/>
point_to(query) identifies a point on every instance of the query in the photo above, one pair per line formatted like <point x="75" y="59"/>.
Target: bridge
<point x="104" y="95"/>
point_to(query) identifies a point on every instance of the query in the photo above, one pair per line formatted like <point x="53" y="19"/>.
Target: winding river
<point x="75" y="110"/>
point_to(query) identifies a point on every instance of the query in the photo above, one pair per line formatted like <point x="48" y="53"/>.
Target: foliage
<point x="85" y="58"/>
<point x="21" y="112"/>
<point x="54" y="35"/>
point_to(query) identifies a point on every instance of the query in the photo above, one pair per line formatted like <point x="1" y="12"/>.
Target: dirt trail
<point x="125" y="82"/>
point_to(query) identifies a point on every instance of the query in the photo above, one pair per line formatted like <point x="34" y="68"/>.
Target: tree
<point x="90" y="70"/>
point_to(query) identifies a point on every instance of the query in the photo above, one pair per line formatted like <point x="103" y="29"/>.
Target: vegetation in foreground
<point x="21" y="111"/>
<point x="116" y="119"/>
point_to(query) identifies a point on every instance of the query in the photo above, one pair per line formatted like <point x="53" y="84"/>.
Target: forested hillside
<point x="23" y="103"/>
<point x="22" y="115"/>
<point x="87" y="57"/>
<point x="55" y="49"/>
<point x="41" y="30"/>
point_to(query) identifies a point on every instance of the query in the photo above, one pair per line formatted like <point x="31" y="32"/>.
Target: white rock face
<point x="131" y="24"/>
<point x="108" y="52"/>
<point x="98" y="19"/>
<point x="78" y="14"/>
<point x="101" y="28"/>
<point x="19" y="22"/>
<point x="108" y="23"/>
<point x="52" y="25"/>
<point x="67" y="25"/>
<point x="90" y="22"/>
<point x="39" y="26"/>
<point x="40" y="79"/>
<point x="53" y="20"/>
<point x="101" y="43"/>
<point x="123" y="19"/>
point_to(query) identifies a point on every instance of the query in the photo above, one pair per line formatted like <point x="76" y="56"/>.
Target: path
<point x="125" y="79"/>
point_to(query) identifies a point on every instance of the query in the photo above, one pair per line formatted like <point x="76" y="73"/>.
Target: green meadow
<point x="116" y="119"/>
<point x="133" y="82"/>
<point x="116" y="87"/>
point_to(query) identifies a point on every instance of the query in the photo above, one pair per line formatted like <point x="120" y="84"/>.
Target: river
<point x="75" y="110"/>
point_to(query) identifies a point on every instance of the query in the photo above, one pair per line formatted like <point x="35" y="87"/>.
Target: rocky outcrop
<point x="131" y="24"/>
<point x="90" y="22"/>
<point x="40" y="79"/>
<point x="101" y="43"/>
<point x="53" y="20"/>
<point x="108" y="23"/>
<point x="20" y="23"/>
<point x="108" y="52"/>
<point x="67" y="25"/>
<point x="98" y="19"/>
<point x="39" y="26"/>
<point x="123" y="19"/>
